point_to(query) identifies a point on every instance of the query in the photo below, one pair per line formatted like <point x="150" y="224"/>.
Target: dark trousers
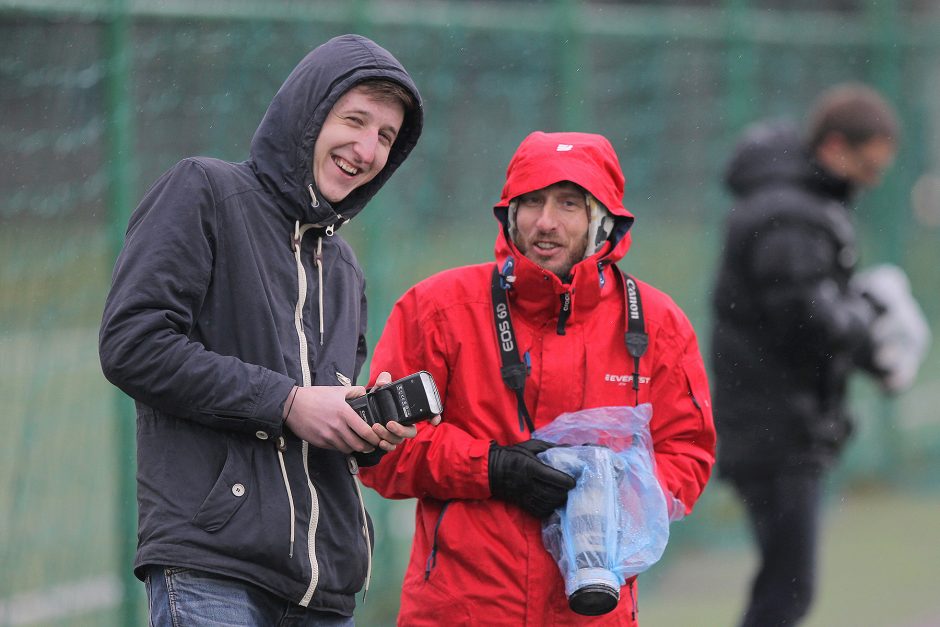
<point x="784" y="510"/>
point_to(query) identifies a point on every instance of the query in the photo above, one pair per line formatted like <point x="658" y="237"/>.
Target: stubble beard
<point x="563" y="273"/>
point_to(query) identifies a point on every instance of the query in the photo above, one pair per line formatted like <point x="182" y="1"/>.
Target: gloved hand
<point x="517" y="476"/>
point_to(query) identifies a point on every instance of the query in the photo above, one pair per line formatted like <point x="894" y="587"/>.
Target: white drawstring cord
<point x="319" y="262"/>
<point x="365" y="530"/>
<point x="281" y="446"/>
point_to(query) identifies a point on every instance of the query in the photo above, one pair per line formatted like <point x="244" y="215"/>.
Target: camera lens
<point x="593" y="600"/>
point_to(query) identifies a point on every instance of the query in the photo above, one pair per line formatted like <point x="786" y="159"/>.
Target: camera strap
<point x="635" y="336"/>
<point x="513" y="370"/>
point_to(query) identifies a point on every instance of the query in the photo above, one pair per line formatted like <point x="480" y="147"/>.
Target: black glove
<point x="517" y="476"/>
<point x="365" y="460"/>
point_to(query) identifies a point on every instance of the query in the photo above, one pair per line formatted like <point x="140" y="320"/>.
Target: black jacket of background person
<point x="199" y="328"/>
<point x="787" y="329"/>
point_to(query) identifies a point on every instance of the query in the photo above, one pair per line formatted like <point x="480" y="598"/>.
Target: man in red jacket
<point x="511" y="346"/>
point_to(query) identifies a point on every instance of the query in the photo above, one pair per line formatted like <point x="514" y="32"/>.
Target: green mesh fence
<point x="98" y="98"/>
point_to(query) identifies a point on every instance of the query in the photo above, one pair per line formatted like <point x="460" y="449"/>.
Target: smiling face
<point x="552" y="226"/>
<point x="354" y="142"/>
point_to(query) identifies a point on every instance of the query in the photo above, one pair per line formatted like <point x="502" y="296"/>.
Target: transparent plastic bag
<point x="616" y="521"/>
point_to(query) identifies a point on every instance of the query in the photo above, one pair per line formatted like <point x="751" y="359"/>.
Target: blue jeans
<point x="183" y="597"/>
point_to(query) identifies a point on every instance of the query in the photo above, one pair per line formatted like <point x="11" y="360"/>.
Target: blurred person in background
<point x="553" y="311"/>
<point x="790" y="328"/>
<point x="236" y="320"/>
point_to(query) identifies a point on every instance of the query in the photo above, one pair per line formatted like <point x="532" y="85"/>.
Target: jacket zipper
<point x="432" y="558"/>
<point x="305" y="371"/>
<point x="307" y="380"/>
<point x="318" y="260"/>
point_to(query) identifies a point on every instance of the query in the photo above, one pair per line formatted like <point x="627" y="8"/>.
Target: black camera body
<point x="406" y="401"/>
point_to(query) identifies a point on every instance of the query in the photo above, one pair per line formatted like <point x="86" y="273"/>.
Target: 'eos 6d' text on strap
<point x="513" y="370"/>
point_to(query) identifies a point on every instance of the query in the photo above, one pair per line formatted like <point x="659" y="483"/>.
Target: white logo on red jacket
<point x="564" y="147"/>
<point x="623" y="379"/>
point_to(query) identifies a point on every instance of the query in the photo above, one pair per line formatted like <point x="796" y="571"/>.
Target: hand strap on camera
<point x="513" y="370"/>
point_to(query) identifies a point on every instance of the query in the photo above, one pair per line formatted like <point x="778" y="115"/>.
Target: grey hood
<point x="282" y="147"/>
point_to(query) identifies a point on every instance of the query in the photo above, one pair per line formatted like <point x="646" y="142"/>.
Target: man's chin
<point x="561" y="270"/>
<point x="558" y="267"/>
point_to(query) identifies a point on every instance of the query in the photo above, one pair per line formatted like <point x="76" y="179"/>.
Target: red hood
<point x="586" y="159"/>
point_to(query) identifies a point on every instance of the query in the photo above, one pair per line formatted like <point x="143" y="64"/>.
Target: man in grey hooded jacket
<point x="236" y="320"/>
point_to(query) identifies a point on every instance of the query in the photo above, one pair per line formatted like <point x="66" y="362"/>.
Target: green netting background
<point x="98" y="98"/>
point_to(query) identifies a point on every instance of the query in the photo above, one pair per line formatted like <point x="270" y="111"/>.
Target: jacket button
<point x="261" y="435"/>
<point x="238" y="489"/>
<point x="353" y="465"/>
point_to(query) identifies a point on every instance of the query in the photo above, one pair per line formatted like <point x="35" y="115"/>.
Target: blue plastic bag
<point x="616" y="521"/>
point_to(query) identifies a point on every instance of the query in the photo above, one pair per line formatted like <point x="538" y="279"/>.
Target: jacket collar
<point x="829" y="184"/>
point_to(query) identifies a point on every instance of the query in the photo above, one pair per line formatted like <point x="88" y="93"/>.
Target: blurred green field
<point x="879" y="565"/>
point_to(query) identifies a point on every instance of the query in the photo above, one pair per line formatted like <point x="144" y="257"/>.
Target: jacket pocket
<point x="425" y="604"/>
<point x="232" y="488"/>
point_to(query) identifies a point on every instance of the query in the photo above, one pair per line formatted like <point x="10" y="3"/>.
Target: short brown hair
<point x="855" y="111"/>
<point x="385" y="90"/>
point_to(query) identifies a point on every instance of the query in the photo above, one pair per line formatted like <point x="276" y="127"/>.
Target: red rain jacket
<point x="480" y="561"/>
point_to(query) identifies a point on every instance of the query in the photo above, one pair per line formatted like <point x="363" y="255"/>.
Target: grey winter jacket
<point x="788" y="329"/>
<point x="215" y="313"/>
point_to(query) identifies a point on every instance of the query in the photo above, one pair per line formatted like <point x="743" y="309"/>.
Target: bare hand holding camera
<point x="321" y="416"/>
<point x="349" y="419"/>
